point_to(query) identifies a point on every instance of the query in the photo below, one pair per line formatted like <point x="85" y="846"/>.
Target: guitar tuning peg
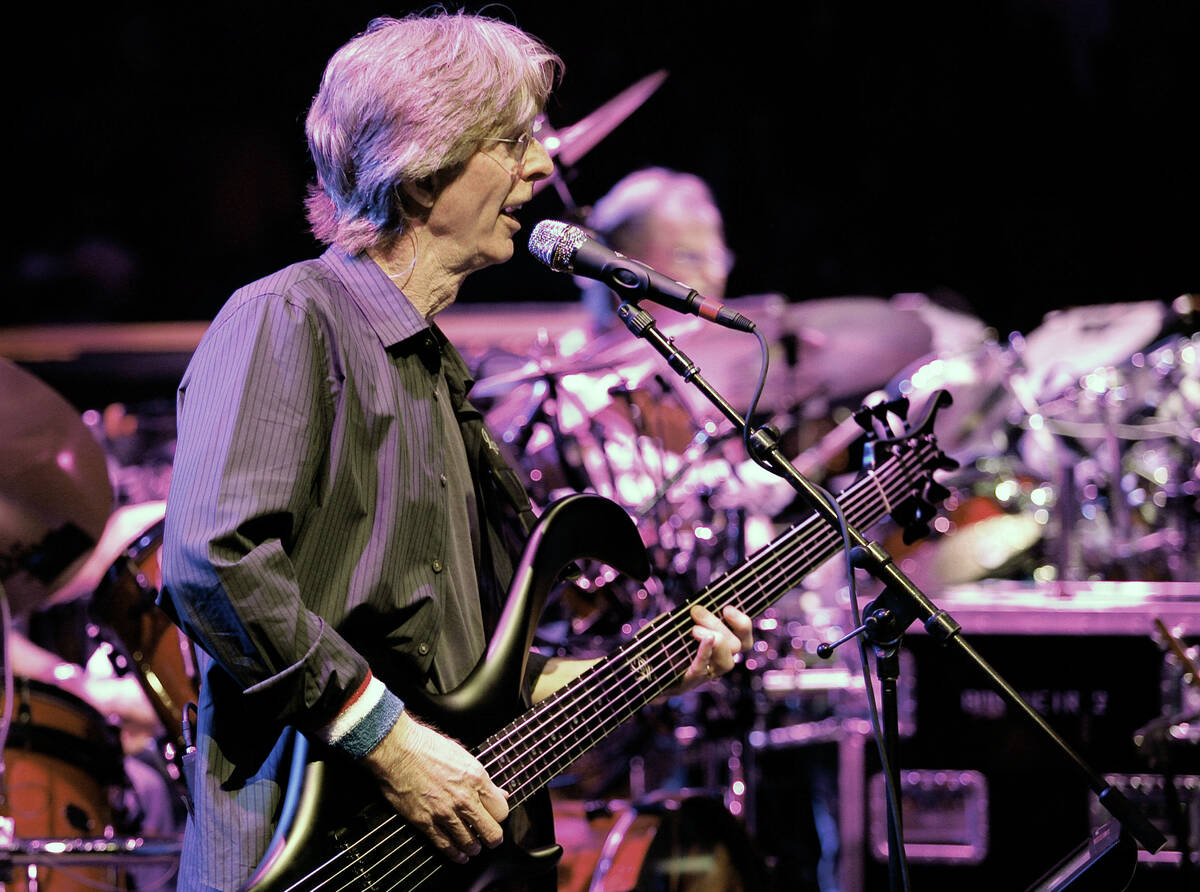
<point x="946" y="463"/>
<point x="936" y="493"/>
<point x="893" y="416"/>
<point x="914" y="517"/>
<point x="905" y="513"/>
<point x="862" y="417"/>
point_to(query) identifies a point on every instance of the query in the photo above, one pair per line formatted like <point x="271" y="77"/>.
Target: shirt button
<point x="436" y="396"/>
<point x="437" y="566"/>
<point x="442" y="479"/>
<point x="422" y="648"/>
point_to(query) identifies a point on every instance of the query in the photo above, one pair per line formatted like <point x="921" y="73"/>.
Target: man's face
<point x="688" y="247"/>
<point x="472" y="216"/>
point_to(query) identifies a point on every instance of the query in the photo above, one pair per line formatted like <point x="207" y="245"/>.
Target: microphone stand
<point x="889" y="615"/>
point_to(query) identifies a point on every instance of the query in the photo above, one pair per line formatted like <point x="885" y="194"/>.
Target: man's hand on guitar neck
<point x="440" y="788"/>
<point x="721" y="639"/>
<point x="720" y="642"/>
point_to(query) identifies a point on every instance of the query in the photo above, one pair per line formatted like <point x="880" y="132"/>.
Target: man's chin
<point x="492" y="258"/>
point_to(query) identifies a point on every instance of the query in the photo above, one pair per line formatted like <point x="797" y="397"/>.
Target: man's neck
<point x="417" y="274"/>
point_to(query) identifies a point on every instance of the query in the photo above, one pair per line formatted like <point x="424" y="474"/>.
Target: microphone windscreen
<point x="554" y="243"/>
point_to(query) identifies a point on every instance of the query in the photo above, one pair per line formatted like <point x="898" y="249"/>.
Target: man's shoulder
<point x="309" y="288"/>
<point x="301" y="282"/>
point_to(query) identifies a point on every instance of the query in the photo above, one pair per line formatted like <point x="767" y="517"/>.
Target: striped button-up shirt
<point x="321" y="494"/>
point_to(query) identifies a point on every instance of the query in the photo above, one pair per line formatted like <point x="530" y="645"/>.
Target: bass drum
<point x="64" y="772"/>
<point x="666" y="844"/>
<point x="994" y="524"/>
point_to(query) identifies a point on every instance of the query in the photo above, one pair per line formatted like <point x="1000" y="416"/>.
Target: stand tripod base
<point x="1105" y="862"/>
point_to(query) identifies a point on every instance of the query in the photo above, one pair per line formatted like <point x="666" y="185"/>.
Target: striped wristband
<point x="365" y="720"/>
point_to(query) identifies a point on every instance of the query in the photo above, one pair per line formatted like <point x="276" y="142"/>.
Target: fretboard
<point x="539" y="745"/>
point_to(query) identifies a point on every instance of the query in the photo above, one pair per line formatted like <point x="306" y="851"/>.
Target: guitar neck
<point x="540" y="744"/>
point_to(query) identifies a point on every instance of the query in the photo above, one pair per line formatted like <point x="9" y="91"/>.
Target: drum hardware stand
<point x="575" y="476"/>
<point x="7" y="843"/>
<point x="121" y="852"/>
<point x="700" y="444"/>
<point x="900" y="604"/>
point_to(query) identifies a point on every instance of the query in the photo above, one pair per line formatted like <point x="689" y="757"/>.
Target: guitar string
<point x="656" y="642"/>
<point x="360" y="856"/>
<point x="796" y="549"/>
<point x="730" y="581"/>
<point x="651" y="638"/>
<point x="640" y="649"/>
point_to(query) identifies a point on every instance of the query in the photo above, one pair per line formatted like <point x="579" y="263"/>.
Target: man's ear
<point x="420" y="192"/>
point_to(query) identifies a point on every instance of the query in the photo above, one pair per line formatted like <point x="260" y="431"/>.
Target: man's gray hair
<point x="407" y="101"/>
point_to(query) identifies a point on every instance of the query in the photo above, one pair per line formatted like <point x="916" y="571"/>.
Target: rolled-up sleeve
<point x="255" y="410"/>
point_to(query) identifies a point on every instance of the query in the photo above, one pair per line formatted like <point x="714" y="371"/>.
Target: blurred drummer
<point x="665" y="219"/>
<point x="670" y="221"/>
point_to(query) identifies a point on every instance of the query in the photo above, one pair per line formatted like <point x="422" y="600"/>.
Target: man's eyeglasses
<point x="519" y="146"/>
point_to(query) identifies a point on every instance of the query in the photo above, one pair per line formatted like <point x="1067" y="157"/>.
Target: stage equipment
<point x="567" y="145"/>
<point x="62" y="778"/>
<point x="988" y="801"/>
<point x="123" y="602"/>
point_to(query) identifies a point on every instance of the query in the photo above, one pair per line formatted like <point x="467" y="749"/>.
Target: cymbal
<point x="846" y="346"/>
<point x="568" y="145"/>
<point x="954" y="330"/>
<point x="55" y="494"/>
<point x="1073" y="342"/>
<point x="832" y="348"/>
<point x="828" y="348"/>
<point x="606" y="353"/>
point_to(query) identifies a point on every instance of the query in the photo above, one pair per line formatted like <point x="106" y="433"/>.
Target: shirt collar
<point x="389" y="313"/>
<point x="392" y="316"/>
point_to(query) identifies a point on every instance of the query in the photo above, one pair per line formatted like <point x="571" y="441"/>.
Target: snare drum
<point x="64" y="774"/>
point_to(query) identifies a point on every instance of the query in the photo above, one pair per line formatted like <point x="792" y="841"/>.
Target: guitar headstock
<point x="889" y="433"/>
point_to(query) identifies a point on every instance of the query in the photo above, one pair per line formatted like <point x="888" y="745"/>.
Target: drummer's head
<point x="670" y="221"/>
<point x="407" y="102"/>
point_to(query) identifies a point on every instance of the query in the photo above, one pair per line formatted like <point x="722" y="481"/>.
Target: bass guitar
<point x="343" y="836"/>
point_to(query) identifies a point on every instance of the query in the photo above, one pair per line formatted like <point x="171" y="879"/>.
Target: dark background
<point x="1020" y="154"/>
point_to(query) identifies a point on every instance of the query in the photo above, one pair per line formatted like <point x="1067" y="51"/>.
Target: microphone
<point x="568" y="249"/>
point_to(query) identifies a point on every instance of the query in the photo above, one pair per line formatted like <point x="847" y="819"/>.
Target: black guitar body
<point x="335" y="839"/>
<point x="339" y="808"/>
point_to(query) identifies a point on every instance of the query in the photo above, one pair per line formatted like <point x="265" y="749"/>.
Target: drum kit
<point x="1079" y="446"/>
<point x="72" y="806"/>
<point x="1079" y="452"/>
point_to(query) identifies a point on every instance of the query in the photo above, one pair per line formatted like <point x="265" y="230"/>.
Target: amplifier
<point x="988" y="800"/>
